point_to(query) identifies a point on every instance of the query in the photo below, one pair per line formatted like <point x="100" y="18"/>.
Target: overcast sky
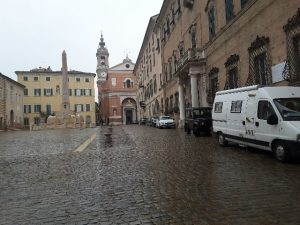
<point x="35" y="32"/>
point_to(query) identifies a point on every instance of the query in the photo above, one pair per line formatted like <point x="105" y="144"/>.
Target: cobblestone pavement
<point x="142" y="175"/>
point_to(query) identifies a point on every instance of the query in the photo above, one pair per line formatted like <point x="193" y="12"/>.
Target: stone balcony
<point x="191" y="58"/>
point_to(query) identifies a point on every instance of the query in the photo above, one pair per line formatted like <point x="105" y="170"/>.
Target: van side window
<point x="218" y="107"/>
<point x="265" y="109"/>
<point x="236" y="106"/>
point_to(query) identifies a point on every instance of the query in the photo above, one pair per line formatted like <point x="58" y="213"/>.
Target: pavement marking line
<point x="84" y="145"/>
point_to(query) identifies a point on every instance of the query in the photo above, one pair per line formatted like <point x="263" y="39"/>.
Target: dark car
<point x="198" y="120"/>
<point x="153" y="121"/>
<point x="143" y="121"/>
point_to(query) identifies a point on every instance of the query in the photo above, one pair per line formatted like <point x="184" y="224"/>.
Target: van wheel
<point x="281" y="151"/>
<point x="188" y="130"/>
<point x="196" y="131"/>
<point x="221" y="139"/>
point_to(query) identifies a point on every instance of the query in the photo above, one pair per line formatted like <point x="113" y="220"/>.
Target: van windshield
<point x="289" y="108"/>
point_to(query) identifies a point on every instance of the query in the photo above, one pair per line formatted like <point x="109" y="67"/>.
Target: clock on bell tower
<point x="102" y="61"/>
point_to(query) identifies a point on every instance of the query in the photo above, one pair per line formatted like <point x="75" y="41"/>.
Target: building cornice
<point x="55" y="72"/>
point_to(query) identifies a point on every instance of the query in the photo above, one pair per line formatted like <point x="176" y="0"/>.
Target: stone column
<point x="65" y="88"/>
<point x="194" y="90"/>
<point x="181" y="104"/>
<point x="203" y="93"/>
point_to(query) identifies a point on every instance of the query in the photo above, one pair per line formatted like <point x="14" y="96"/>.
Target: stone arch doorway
<point x="129" y="111"/>
<point x="11" y="118"/>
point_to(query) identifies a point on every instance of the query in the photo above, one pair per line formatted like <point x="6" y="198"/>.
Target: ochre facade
<point x="211" y="45"/>
<point x="43" y="94"/>
<point x="148" y="71"/>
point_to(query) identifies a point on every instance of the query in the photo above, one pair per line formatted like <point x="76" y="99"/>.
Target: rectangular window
<point x="236" y="106"/>
<point x="87" y="107"/>
<point x="157" y="45"/>
<point x="26" y="121"/>
<point x="260" y="69"/>
<point x="48" y="109"/>
<point x="35" y="78"/>
<point x="78" y="92"/>
<point x="37" y="108"/>
<point x="77" y="79"/>
<point x="78" y="108"/>
<point x="229" y="10"/>
<point x="37" y="92"/>
<point x="218" y="107"/>
<point x="27" y="108"/>
<point x="211" y="23"/>
<point x="48" y="92"/>
<point x="25" y="78"/>
<point x="87" y="80"/>
<point x="214" y="86"/>
<point x="296" y="48"/>
<point x="70" y="92"/>
<point x="113" y="81"/>
<point x="233" y="77"/>
<point x="87" y="92"/>
<point x="47" y="78"/>
<point x="243" y="3"/>
<point x="25" y="91"/>
<point x="36" y="120"/>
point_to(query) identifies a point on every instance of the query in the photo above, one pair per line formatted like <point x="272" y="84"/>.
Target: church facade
<point x="116" y="89"/>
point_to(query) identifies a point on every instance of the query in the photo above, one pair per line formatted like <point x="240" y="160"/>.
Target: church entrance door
<point x="129" y="115"/>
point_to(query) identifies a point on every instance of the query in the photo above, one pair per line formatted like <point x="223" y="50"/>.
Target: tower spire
<point x="102" y="43"/>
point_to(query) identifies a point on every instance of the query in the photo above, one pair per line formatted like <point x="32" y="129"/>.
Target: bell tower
<point x="102" y="61"/>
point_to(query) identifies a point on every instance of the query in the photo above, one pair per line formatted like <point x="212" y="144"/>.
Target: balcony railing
<point x="191" y="55"/>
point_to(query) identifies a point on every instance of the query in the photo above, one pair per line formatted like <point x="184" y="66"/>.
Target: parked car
<point x="198" y="120"/>
<point x="165" y="122"/>
<point x="143" y="120"/>
<point x="153" y="121"/>
<point x="267" y="118"/>
<point x="148" y="122"/>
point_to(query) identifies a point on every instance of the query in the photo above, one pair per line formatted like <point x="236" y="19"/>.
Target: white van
<point x="267" y="118"/>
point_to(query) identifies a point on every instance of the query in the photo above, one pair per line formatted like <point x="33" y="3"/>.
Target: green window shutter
<point x="51" y="91"/>
<point x="44" y="91"/>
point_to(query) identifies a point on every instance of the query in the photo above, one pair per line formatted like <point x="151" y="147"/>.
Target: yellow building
<point x="44" y="90"/>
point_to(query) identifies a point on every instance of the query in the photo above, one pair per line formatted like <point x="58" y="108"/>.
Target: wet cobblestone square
<point x="142" y="175"/>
